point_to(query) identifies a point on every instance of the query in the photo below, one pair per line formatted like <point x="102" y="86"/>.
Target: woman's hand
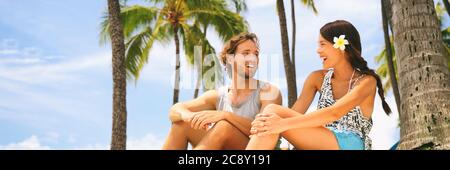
<point x="201" y="120"/>
<point x="267" y="124"/>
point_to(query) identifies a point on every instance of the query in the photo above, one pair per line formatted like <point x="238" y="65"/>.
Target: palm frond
<point x="155" y="1"/>
<point x="381" y="58"/>
<point x="192" y="37"/>
<point x="144" y="26"/>
<point x="163" y="31"/>
<point x="139" y="46"/>
<point x="104" y="29"/>
<point x="133" y="19"/>
<point x="226" y="23"/>
<point x="137" y="52"/>
<point x="310" y="5"/>
<point x="239" y="5"/>
<point x="383" y="70"/>
<point x="446" y="36"/>
<point x="137" y="17"/>
<point x="212" y="72"/>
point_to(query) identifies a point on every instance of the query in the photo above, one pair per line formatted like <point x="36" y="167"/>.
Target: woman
<point x="347" y="90"/>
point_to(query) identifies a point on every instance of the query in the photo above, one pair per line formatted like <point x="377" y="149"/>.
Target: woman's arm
<point x="327" y="115"/>
<point x="274" y="124"/>
<point x="310" y="87"/>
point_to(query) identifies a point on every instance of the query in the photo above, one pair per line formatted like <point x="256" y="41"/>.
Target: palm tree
<point x="447" y="6"/>
<point x="423" y="75"/>
<point x="119" y="132"/>
<point x="212" y="80"/>
<point x="384" y="69"/>
<point x="289" y="63"/>
<point x="288" y="66"/>
<point x="239" y="5"/>
<point x="199" y="62"/>
<point x="123" y="3"/>
<point x="173" y="19"/>
<point x="308" y="4"/>
<point x="294" y="33"/>
<point x="388" y="52"/>
<point x="444" y="30"/>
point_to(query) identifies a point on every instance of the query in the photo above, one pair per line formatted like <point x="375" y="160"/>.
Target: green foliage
<point x="144" y="25"/>
<point x="382" y="69"/>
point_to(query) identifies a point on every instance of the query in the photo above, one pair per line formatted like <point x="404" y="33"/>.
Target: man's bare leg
<point x="180" y="135"/>
<point x="223" y="136"/>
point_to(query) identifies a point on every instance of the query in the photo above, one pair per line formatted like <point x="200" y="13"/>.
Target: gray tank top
<point x="248" y="108"/>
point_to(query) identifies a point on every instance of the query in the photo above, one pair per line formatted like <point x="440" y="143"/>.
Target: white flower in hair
<point x="340" y="42"/>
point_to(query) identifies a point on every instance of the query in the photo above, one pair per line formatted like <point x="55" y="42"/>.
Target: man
<point x="221" y="119"/>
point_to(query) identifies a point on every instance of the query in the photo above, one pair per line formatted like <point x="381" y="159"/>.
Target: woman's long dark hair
<point x="353" y="49"/>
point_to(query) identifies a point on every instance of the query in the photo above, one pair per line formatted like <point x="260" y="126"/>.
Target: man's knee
<point x="222" y="129"/>
<point x="173" y="115"/>
<point x="224" y="125"/>
<point x="180" y="126"/>
<point x="271" y="108"/>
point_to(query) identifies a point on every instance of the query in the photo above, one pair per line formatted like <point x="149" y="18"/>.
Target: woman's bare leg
<point x="180" y="135"/>
<point x="305" y="138"/>
<point x="317" y="138"/>
<point x="269" y="142"/>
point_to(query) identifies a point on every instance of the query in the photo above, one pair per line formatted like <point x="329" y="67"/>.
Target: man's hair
<point x="231" y="45"/>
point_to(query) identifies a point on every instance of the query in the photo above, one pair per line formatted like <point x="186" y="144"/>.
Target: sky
<point x="56" y="80"/>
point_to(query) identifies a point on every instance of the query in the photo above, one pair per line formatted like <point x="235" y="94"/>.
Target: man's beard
<point x="241" y="73"/>
<point x="246" y="76"/>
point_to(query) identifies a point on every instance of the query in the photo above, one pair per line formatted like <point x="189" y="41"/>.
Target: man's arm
<point x="183" y="111"/>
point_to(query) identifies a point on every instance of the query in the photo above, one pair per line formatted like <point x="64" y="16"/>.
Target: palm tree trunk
<point x="119" y="131"/>
<point x="200" y="72"/>
<point x="447" y="6"/>
<point x="199" y="80"/>
<point x="388" y="10"/>
<point x="197" y="87"/>
<point x="176" y="88"/>
<point x="423" y="74"/>
<point x="288" y="68"/>
<point x="387" y="43"/>
<point x="294" y="29"/>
